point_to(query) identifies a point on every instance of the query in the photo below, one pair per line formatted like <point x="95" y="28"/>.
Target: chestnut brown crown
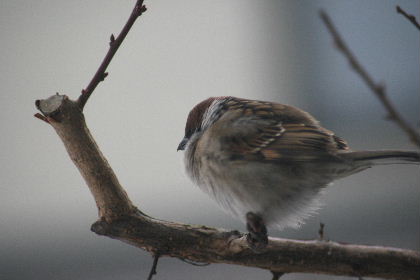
<point x="195" y="119"/>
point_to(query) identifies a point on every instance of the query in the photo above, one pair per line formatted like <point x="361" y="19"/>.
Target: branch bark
<point x="65" y="116"/>
<point x="121" y="220"/>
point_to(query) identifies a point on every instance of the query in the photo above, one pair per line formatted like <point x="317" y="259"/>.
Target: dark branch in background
<point x="121" y="220"/>
<point x="411" y="18"/>
<point x="114" y="44"/>
<point x="377" y="89"/>
<point x="321" y="231"/>
<point x="154" y="266"/>
<point x="276" y="275"/>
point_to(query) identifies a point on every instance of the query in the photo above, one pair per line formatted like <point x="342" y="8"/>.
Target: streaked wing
<point x="253" y="140"/>
<point x="274" y="132"/>
<point x="301" y="142"/>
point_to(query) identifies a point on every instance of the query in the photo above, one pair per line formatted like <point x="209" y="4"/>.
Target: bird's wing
<point x="300" y="142"/>
<point x="275" y="132"/>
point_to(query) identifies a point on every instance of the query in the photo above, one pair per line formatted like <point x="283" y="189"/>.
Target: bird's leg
<point x="257" y="232"/>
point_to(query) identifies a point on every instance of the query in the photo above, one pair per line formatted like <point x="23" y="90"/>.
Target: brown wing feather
<point x="254" y="142"/>
<point x="276" y="132"/>
<point x="275" y="111"/>
<point x="301" y="142"/>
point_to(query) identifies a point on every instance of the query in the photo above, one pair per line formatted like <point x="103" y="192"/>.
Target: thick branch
<point x="114" y="44"/>
<point x="120" y="220"/>
<point x="66" y="117"/>
<point x="377" y="89"/>
<point x="204" y="244"/>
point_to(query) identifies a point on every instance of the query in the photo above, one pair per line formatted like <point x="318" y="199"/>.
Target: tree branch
<point x="377" y="89"/>
<point x="154" y="266"/>
<point x="114" y="44"/>
<point x="411" y="18"/>
<point x="120" y="219"/>
<point x="65" y="117"/>
<point x="276" y="275"/>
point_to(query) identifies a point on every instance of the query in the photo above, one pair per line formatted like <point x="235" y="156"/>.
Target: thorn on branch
<point x="111" y="39"/>
<point x="154" y="266"/>
<point x="140" y="8"/>
<point x="104" y="76"/>
<point x="411" y="18"/>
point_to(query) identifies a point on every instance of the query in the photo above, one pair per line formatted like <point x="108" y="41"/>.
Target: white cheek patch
<point x="212" y="114"/>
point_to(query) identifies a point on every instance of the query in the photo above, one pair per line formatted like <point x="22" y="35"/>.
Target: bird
<point x="268" y="163"/>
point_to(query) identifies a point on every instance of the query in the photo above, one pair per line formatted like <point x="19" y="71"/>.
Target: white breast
<point x="240" y="187"/>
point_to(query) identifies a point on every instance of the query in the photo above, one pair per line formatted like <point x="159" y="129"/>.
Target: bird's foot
<point x="257" y="232"/>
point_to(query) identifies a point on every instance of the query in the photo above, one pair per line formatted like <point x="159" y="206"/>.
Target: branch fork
<point x="121" y="220"/>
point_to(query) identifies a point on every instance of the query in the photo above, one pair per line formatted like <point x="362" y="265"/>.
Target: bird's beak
<point x="182" y="145"/>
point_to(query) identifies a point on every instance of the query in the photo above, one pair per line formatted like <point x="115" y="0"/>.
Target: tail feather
<point x="383" y="157"/>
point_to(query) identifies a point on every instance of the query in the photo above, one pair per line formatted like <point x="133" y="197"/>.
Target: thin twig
<point x="276" y="275"/>
<point x="114" y="44"/>
<point x="377" y="89"/>
<point x="411" y="18"/>
<point x="154" y="266"/>
<point x="321" y="231"/>
<point x="41" y="117"/>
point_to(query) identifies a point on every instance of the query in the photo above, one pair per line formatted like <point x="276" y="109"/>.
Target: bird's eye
<point x="191" y="131"/>
<point x="188" y="133"/>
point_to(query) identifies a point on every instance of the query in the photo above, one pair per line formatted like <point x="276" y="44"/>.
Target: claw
<point x="257" y="237"/>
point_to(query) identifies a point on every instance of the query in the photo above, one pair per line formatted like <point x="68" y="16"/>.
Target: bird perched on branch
<point x="267" y="163"/>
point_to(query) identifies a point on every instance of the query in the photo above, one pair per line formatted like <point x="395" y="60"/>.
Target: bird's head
<point x="201" y="117"/>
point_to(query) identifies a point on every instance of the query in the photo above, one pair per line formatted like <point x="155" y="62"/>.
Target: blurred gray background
<point x="177" y="54"/>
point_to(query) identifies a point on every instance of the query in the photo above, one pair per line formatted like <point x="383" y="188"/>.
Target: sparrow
<point x="268" y="163"/>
